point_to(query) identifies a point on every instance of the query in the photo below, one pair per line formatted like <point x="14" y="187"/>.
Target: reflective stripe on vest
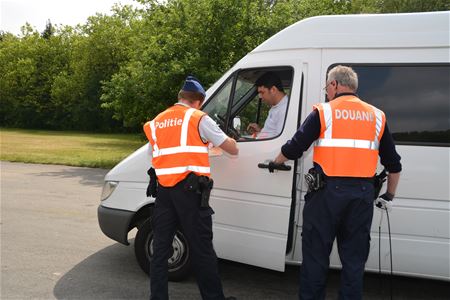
<point x="347" y="143"/>
<point x="179" y="170"/>
<point x="180" y="149"/>
<point x="152" y="130"/>
<point x="343" y="149"/>
<point x="177" y="146"/>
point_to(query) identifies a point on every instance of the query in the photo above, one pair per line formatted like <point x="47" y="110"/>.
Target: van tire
<point x="179" y="262"/>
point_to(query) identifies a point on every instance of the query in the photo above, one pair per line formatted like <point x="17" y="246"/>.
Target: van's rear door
<point x="252" y="206"/>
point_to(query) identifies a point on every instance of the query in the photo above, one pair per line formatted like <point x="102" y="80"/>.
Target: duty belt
<point x="317" y="180"/>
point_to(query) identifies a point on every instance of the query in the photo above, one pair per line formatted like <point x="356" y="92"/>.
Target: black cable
<point x="379" y="258"/>
<point x="390" y="249"/>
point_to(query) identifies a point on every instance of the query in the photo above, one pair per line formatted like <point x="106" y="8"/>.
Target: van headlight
<point x="108" y="188"/>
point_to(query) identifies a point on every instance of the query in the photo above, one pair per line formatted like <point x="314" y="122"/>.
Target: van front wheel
<point x="178" y="263"/>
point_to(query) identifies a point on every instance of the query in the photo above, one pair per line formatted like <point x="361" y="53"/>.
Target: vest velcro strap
<point x="347" y="143"/>
<point x="180" y="170"/>
<point x="180" y="149"/>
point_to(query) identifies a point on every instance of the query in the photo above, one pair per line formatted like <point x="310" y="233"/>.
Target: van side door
<point x="252" y="206"/>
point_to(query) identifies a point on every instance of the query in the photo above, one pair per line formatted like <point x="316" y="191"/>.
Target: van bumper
<point x="114" y="223"/>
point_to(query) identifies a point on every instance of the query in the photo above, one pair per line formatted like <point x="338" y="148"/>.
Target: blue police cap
<point x="192" y="84"/>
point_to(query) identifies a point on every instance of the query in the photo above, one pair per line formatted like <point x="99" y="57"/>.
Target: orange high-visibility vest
<point x="350" y="133"/>
<point x="177" y="146"/>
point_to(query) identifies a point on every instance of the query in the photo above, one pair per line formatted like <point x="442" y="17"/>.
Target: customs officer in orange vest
<point x="179" y="137"/>
<point x="348" y="135"/>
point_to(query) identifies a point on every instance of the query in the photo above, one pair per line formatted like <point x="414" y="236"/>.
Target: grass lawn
<point x="67" y="148"/>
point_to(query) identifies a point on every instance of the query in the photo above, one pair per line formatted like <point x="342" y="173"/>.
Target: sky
<point x="15" y="13"/>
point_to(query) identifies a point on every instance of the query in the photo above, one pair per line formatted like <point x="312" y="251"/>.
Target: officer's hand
<point x="384" y="202"/>
<point x="272" y="165"/>
<point x="253" y="128"/>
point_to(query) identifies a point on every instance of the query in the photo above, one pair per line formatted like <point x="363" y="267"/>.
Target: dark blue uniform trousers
<point x="343" y="209"/>
<point x="176" y="207"/>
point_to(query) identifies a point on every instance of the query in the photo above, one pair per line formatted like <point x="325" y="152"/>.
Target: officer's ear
<point x="334" y="83"/>
<point x="201" y="101"/>
<point x="198" y="103"/>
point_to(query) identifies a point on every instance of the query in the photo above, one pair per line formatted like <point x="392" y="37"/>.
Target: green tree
<point x="48" y="31"/>
<point x="28" y="66"/>
<point x="97" y="50"/>
<point x="201" y="37"/>
<point x="398" y="6"/>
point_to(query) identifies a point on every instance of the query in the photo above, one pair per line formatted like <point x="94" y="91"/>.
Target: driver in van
<point x="179" y="137"/>
<point x="348" y="136"/>
<point x="271" y="92"/>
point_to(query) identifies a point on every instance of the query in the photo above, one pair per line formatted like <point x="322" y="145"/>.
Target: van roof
<point x="429" y="29"/>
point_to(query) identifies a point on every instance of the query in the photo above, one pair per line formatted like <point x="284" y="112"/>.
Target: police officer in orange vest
<point x="179" y="137"/>
<point x="348" y="135"/>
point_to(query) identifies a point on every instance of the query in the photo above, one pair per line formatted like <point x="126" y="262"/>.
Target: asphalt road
<point x="52" y="248"/>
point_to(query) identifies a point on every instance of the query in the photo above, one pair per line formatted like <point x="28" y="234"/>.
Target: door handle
<point x="273" y="166"/>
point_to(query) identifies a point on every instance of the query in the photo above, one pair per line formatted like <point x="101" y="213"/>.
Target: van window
<point x="245" y="106"/>
<point x="415" y="99"/>
<point x="220" y="106"/>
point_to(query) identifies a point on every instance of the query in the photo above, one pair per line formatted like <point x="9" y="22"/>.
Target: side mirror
<point x="237" y="123"/>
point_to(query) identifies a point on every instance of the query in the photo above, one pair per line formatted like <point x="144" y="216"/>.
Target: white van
<point x="403" y="65"/>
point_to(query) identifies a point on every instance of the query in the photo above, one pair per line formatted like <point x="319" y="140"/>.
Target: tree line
<point x="116" y="71"/>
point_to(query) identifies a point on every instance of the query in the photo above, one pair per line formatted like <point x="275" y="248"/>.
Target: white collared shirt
<point x="275" y="120"/>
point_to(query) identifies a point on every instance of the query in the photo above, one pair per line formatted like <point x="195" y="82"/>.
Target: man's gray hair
<point x="344" y="76"/>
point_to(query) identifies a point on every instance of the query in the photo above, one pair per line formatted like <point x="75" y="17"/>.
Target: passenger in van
<point x="270" y="90"/>
<point x="179" y="137"/>
<point x="349" y="135"/>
